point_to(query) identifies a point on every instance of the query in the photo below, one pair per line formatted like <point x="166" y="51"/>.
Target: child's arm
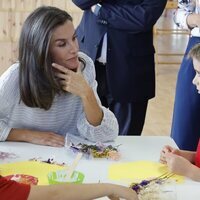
<point x="181" y="166"/>
<point x="189" y="155"/>
<point x="194" y="173"/>
<point x="81" y="192"/>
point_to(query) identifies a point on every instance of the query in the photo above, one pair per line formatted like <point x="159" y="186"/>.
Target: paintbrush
<point x="73" y="166"/>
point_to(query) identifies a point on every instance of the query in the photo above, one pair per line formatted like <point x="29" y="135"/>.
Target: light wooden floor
<point x="160" y="109"/>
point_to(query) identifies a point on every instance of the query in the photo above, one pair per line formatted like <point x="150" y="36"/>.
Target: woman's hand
<point x="37" y="137"/>
<point x="73" y="82"/>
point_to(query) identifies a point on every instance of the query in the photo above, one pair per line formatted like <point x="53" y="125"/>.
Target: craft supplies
<point x="153" y="188"/>
<point x="73" y="166"/>
<point x="22" y="178"/>
<point x="97" y="150"/>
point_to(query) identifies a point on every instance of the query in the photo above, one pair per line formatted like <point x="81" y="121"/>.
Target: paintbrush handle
<point x="73" y="166"/>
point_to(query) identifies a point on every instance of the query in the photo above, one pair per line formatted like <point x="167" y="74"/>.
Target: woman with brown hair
<point x="51" y="92"/>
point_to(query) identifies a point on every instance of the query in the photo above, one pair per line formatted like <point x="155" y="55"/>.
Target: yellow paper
<point x="137" y="171"/>
<point x="32" y="168"/>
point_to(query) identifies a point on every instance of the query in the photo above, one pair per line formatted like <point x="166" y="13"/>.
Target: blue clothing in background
<point x="186" y="117"/>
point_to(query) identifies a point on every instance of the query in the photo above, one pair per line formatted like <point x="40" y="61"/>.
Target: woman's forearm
<point x="36" y="137"/>
<point x="18" y="135"/>
<point x="93" y="111"/>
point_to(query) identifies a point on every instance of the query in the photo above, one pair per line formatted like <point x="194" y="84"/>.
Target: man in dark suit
<point x="118" y="36"/>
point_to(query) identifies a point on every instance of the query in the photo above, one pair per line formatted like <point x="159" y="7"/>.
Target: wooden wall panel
<point x="5" y="5"/>
<point x="18" y="19"/>
<point x="5" y="26"/>
<point x="5" y="55"/>
<point x="71" y="7"/>
<point x="59" y="3"/>
<point x="23" y="5"/>
<point x="76" y="17"/>
<point x="43" y="2"/>
<point x="12" y="15"/>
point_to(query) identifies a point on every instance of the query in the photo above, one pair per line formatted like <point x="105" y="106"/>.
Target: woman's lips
<point x="72" y="63"/>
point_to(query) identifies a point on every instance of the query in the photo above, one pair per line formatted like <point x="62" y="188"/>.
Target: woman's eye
<point x="62" y="44"/>
<point x="74" y="37"/>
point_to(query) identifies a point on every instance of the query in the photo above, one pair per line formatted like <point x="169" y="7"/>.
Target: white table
<point x="133" y="148"/>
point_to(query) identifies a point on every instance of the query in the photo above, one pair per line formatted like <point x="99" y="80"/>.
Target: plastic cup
<point x="60" y="176"/>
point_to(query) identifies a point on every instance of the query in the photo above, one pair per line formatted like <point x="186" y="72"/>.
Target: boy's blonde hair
<point x="195" y="52"/>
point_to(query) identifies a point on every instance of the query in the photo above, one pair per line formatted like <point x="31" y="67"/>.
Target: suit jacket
<point x="130" y="52"/>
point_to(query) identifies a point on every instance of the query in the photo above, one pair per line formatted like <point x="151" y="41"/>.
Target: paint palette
<point x="60" y="176"/>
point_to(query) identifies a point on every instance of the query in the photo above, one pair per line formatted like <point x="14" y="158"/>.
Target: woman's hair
<point x="38" y="86"/>
<point x="195" y="52"/>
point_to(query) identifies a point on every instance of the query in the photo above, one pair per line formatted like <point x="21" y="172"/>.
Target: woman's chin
<point x="74" y="68"/>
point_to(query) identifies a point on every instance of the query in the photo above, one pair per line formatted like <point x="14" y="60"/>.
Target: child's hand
<point x="178" y="164"/>
<point x="167" y="149"/>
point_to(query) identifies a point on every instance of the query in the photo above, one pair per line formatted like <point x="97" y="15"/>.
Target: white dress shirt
<point x="185" y="9"/>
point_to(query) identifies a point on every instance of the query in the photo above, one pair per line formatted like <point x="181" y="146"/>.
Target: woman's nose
<point x="73" y="47"/>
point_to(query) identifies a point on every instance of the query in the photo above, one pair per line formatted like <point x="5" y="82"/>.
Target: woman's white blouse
<point x="186" y="7"/>
<point x="65" y="117"/>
